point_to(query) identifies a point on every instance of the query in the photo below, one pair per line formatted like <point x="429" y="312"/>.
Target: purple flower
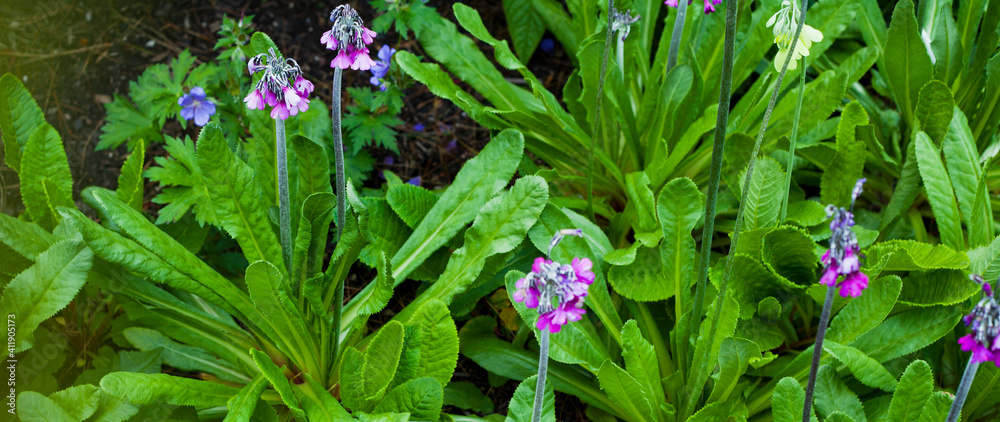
<point x="281" y="86"/>
<point x="557" y="290"/>
<point x="195" y="106"/>
<point x="381" y="67"/>
<point x="709" y="4"/>
<point x="419" y="127"/>
<point x="843" y="257"/>
<point x="389" y="160"/>
<point x="415" y="181"/>
<point x="350" y="36"/>
<point x="452" y="146"/>
<point x="984" y="323"/>
<point x="547" y="45"/>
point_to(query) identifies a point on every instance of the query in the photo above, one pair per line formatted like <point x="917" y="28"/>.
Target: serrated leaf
<point x="180" y="356"/>
<point x="789" y="401"/>
<point x="935" y="105"/>
<point x="34" y="407"/>
<point x="27" y="239"/>
<point x="317" y="212"/>
<point x="626" y="391"/>
<point x="318" y="404"/>
<point x="438" y="342"/>
<point x="163" y="388"/>
<point x="864" y="368"/>
<point x="734" y="357"/>
<point x="242" y="405"/>
<point x="788" y="252"/>
<point x="907" y="331"/>
<point x="276" y="378"/>
<point x="756" y="282"/>
<point x="19" y="116"/>
<point x="521" y="14"/>
<point x="908" y="67"/>
<point x="939" y="192"/>
<point x="910" y="255"/>
<point x="833" y="395"/>
<point x="937" y="407"/>
<point x="640" y="362"/>
<point x="46" y="182"/>
<point x="938" y="287"/>
<point x="381" y="292"/>
<point x="411" y="203"/>
<point x="45" y="288"/>
<point x="521" y="408"/>
<point x="381" y="358"/>
<point x="313" y="169"/>
<point x="422" y="398"/>
<point x="848" y="164"/>
<point x="283" y="320"/>
<point x="962" y="158"/>
<point x="130" y="182"/>
<point x="763" y="198"/>
<point x="914" y="390"/>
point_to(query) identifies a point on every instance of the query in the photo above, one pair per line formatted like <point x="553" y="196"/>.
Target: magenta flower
<point x="843" y="257"/>
<point x="281" y="87"/>
<point x="350" y="37"/>
<point x="557" y="290"/>
<point x="709" y="4"/>
<point x="195" y="106"/>
<point x="984" y="323"/>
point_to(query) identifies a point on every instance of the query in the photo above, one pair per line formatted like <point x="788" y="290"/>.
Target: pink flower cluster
<point x="843" y="257"/>
<point x="281" y="86"/>
<point x="350" y="36"/>
<point x="709" y="4"/>
<point x="984" y="322"/>
<point x="557" y="291"/>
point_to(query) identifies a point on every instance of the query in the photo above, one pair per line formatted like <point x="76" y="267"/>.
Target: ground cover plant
<point x="817" y="242"/>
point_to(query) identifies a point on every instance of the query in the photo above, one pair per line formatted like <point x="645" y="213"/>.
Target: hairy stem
<point x="824" y="321"/>
<point x="597" y="114"/>
<point x="792" y="142"/>
<point x="543" y="368"/>
<point x="963" y="390"/>
<point x="338" y="146"/>
<point x="284" y="204"/>
<point x="675" y="37"/>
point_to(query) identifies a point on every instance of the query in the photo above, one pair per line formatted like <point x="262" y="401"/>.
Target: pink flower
<point x="329" y="40"/>
<point x="279" y="111"/>
<point x="254" y="100"/>
<point x="303" y="87"/>
<point x="980" y="353"/>
<point x="582" y="268"/>
<point x="271" y="99"/>
<point x="536" y="267"/>
<point x="709" y="8"/>
<point x="566" y="312"/>
<point x="526" y="293"/>
<point x="360" y="60"/>
<point x="367" y="35"/>
<point x="301" y="106"/>
<point x="343" y="60"/>
<point x="853" y="284"/>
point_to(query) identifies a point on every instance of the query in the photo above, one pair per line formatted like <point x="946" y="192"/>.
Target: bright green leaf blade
<point x="163" y="388"/>
<point x="242" y="405"/>
<point x="438" y="341"/>
<point x="278" y="381"/>
<point x="19" y="116"/>
<point x="907" y="332"/>
<point x="422" y="398"/>
<point x="914" y="390"/>
<point x="864" y="368"/>
<point x="939" y="192"/>
<point x="833" y="395"/>
<point x="130" y="182"/>
<point x="625" y="391"/>
<point x="182" y="356"/>
<point x="763" y="198"/>
<point x="935" y="106"/>
<point x="908" y="65"/>
<point x="46" y="182"/>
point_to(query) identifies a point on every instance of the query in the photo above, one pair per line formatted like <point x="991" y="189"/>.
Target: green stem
<point x="338" y="146"/>
<point x="284" y="204"/>
<point x="678" y="32"/>
<point x="963" y="390"/>
<point x="792" y="142"/>
<point x="597" y="113"/>
<point x="824" y="321"/>
<point x="543" y="368"/>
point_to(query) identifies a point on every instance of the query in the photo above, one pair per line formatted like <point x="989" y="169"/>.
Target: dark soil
<point x="74" y="56"/>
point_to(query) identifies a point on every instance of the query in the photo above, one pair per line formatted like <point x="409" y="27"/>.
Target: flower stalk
<point x="824" y="321"/>
<point x="284" y="203"/>
<point x="543" y="369"/>
<point x="676" y="35"/>
<point x="792" y="143"/>
<point x="963" y="390"/>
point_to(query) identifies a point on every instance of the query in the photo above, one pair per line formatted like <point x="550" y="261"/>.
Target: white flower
<point x="785" y="23"/>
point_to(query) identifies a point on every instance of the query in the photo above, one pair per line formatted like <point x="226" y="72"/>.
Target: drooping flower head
<point x="195" y="106"/>
<point x="557" y="290"/>
<point x="984" y="322"/>
<point x="785" y="23"/>
<point x="381" y="66"/>
<point x="844" y="256"/>
<point x="709" y="4"/>
<point x="622" y="22"/>
<point x="281" y="86"/>
<point x="350" y="38"/>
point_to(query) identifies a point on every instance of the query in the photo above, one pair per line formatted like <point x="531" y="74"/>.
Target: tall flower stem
<point x="675" y="37"/>
<point x="963" y="390"/>
<point x="824" y="321"/>
<point x="543" y="369"/>
<point x="338" y="153"/>
<point x="284" y="204"/>
<point x="792" y="142"/>
<point x="597" y="113"/>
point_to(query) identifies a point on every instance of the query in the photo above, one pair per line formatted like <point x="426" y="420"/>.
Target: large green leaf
<point x="521" y="14"/>
<point x="640" y="362"/>
<point x="962" y="157"/>
<point x="276" y="377"/>
<point x="367" y="377"/>
<point x="647" y="229"/>
<point x="763" y="198"/>
<point x="848" y="164"/>
<point x="521" y="408"/>
<point x="754" y="283"/>
<point x="162" y="388"/>
<point x="937" y="407"/>
<point x="183" y="357"/>
<point x="411" y="203"/>
<point x="130" y="182"/>
<point x="907" y="332"/>
<point x="317" y="211"/>
<point x="788" y="252"/>
<point x="908" y="67"/>
<point x="833" y="395"/>
<point x="46" y="182"/>
<point x="45" y="288"/>
<point x="422" y="398"/>
<point x="939" y="192"/>
<point x="935" y="106"/>
<point x="317" y="402"/>
<point x="283" y="320"/>
<point x="236" y="198"/>
<point x="35" y="407"/>
<point x="242" y="405"/>
<point x="438" y="341"/>
<point x="910" y="255"/>
<point x="27" y="239"/>
<point x="19" y="116"/>
<point x="734" y="357"/>
<point x="913" y="392"/>
<point x="626" y="391"/>
<point x="938" y="287"/>
<point x="789" y="401"/>
<point x="864" y="368"/>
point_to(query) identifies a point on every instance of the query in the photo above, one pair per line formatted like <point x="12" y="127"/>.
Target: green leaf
<point x="962" y="157"/>
<point x="162" y="388"/>
<point x="313" y="168"/>
<point x="411" y="203"/>
<point x="368" y="376"/>
<point x="438" y="342"/>
<point x="46" y="182"/>
<point x="937" y="407"/>
<point x="833" y="395"/>
<point x="756" y="282"/>
<point x="910" y="255"/>
<point x="914" y="390"/>
<point x="734" y="357"/>
<point x="647" y="229"/>
<point x="983" y="393"/>
<point x="381" y="292"/>
<point x="130" y="182"/>
<point x="640" y="361"/>
<point x="242" y="405"/>
<point x="789" y="401"/>
<point x="985" y="260"/>
<point x="318" y="404"/>
<point x="466" y="395"/>
<point x="806" y="213"/>
<point x="317" y="212"/>
<point x="679" y="206"/>
<point x="236" y="198"/>
<point x="34" y="407"/>
<point x="907" y="332"/>
<point x="283" y="320"/>
<point x="521" y="14"/>
<point x="422" y="398"/>
<point x="763" y="198"/>
<point x="935" y="107"/>
<point x="626" y="391"/>
<point x="19" y="116"/>
<point x="45" y="288"/>
<point x="788" y="252"/>
<point x="938" y="287"/>
<point x="521" y="408"/>
<point x="907" y="188"/>
<point x="27" y="239"/>
<point x="980" y="225"/>
<point x="864" y="368"/>
<point x="277" y="379"/>
<point x="840" y="176"/>
<point x="908" y="67"/>
<point x="939" y="192"/>
<point x="480" y="178"/>
<point x="181" y="356"/>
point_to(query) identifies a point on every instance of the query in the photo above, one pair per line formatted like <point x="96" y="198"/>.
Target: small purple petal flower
<point x="984" y="323"/>
<point x="389" y="160"/>
<point x="843" y="257"/>
<point x="709" y="4"/>
<point x="557" y="290"/>
<point x="980" y="353"/>
<point x="452" y="146"/>
<point x="195" y="106"/>
<point x="419" y="127"/>
<point x="350" y="36"/>
<point x="415" y="181"/>
<point x="281" y="86"/>
<point x="547" y="45"/>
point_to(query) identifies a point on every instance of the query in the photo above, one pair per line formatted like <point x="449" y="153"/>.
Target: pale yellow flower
<point x="785" y="23"/>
